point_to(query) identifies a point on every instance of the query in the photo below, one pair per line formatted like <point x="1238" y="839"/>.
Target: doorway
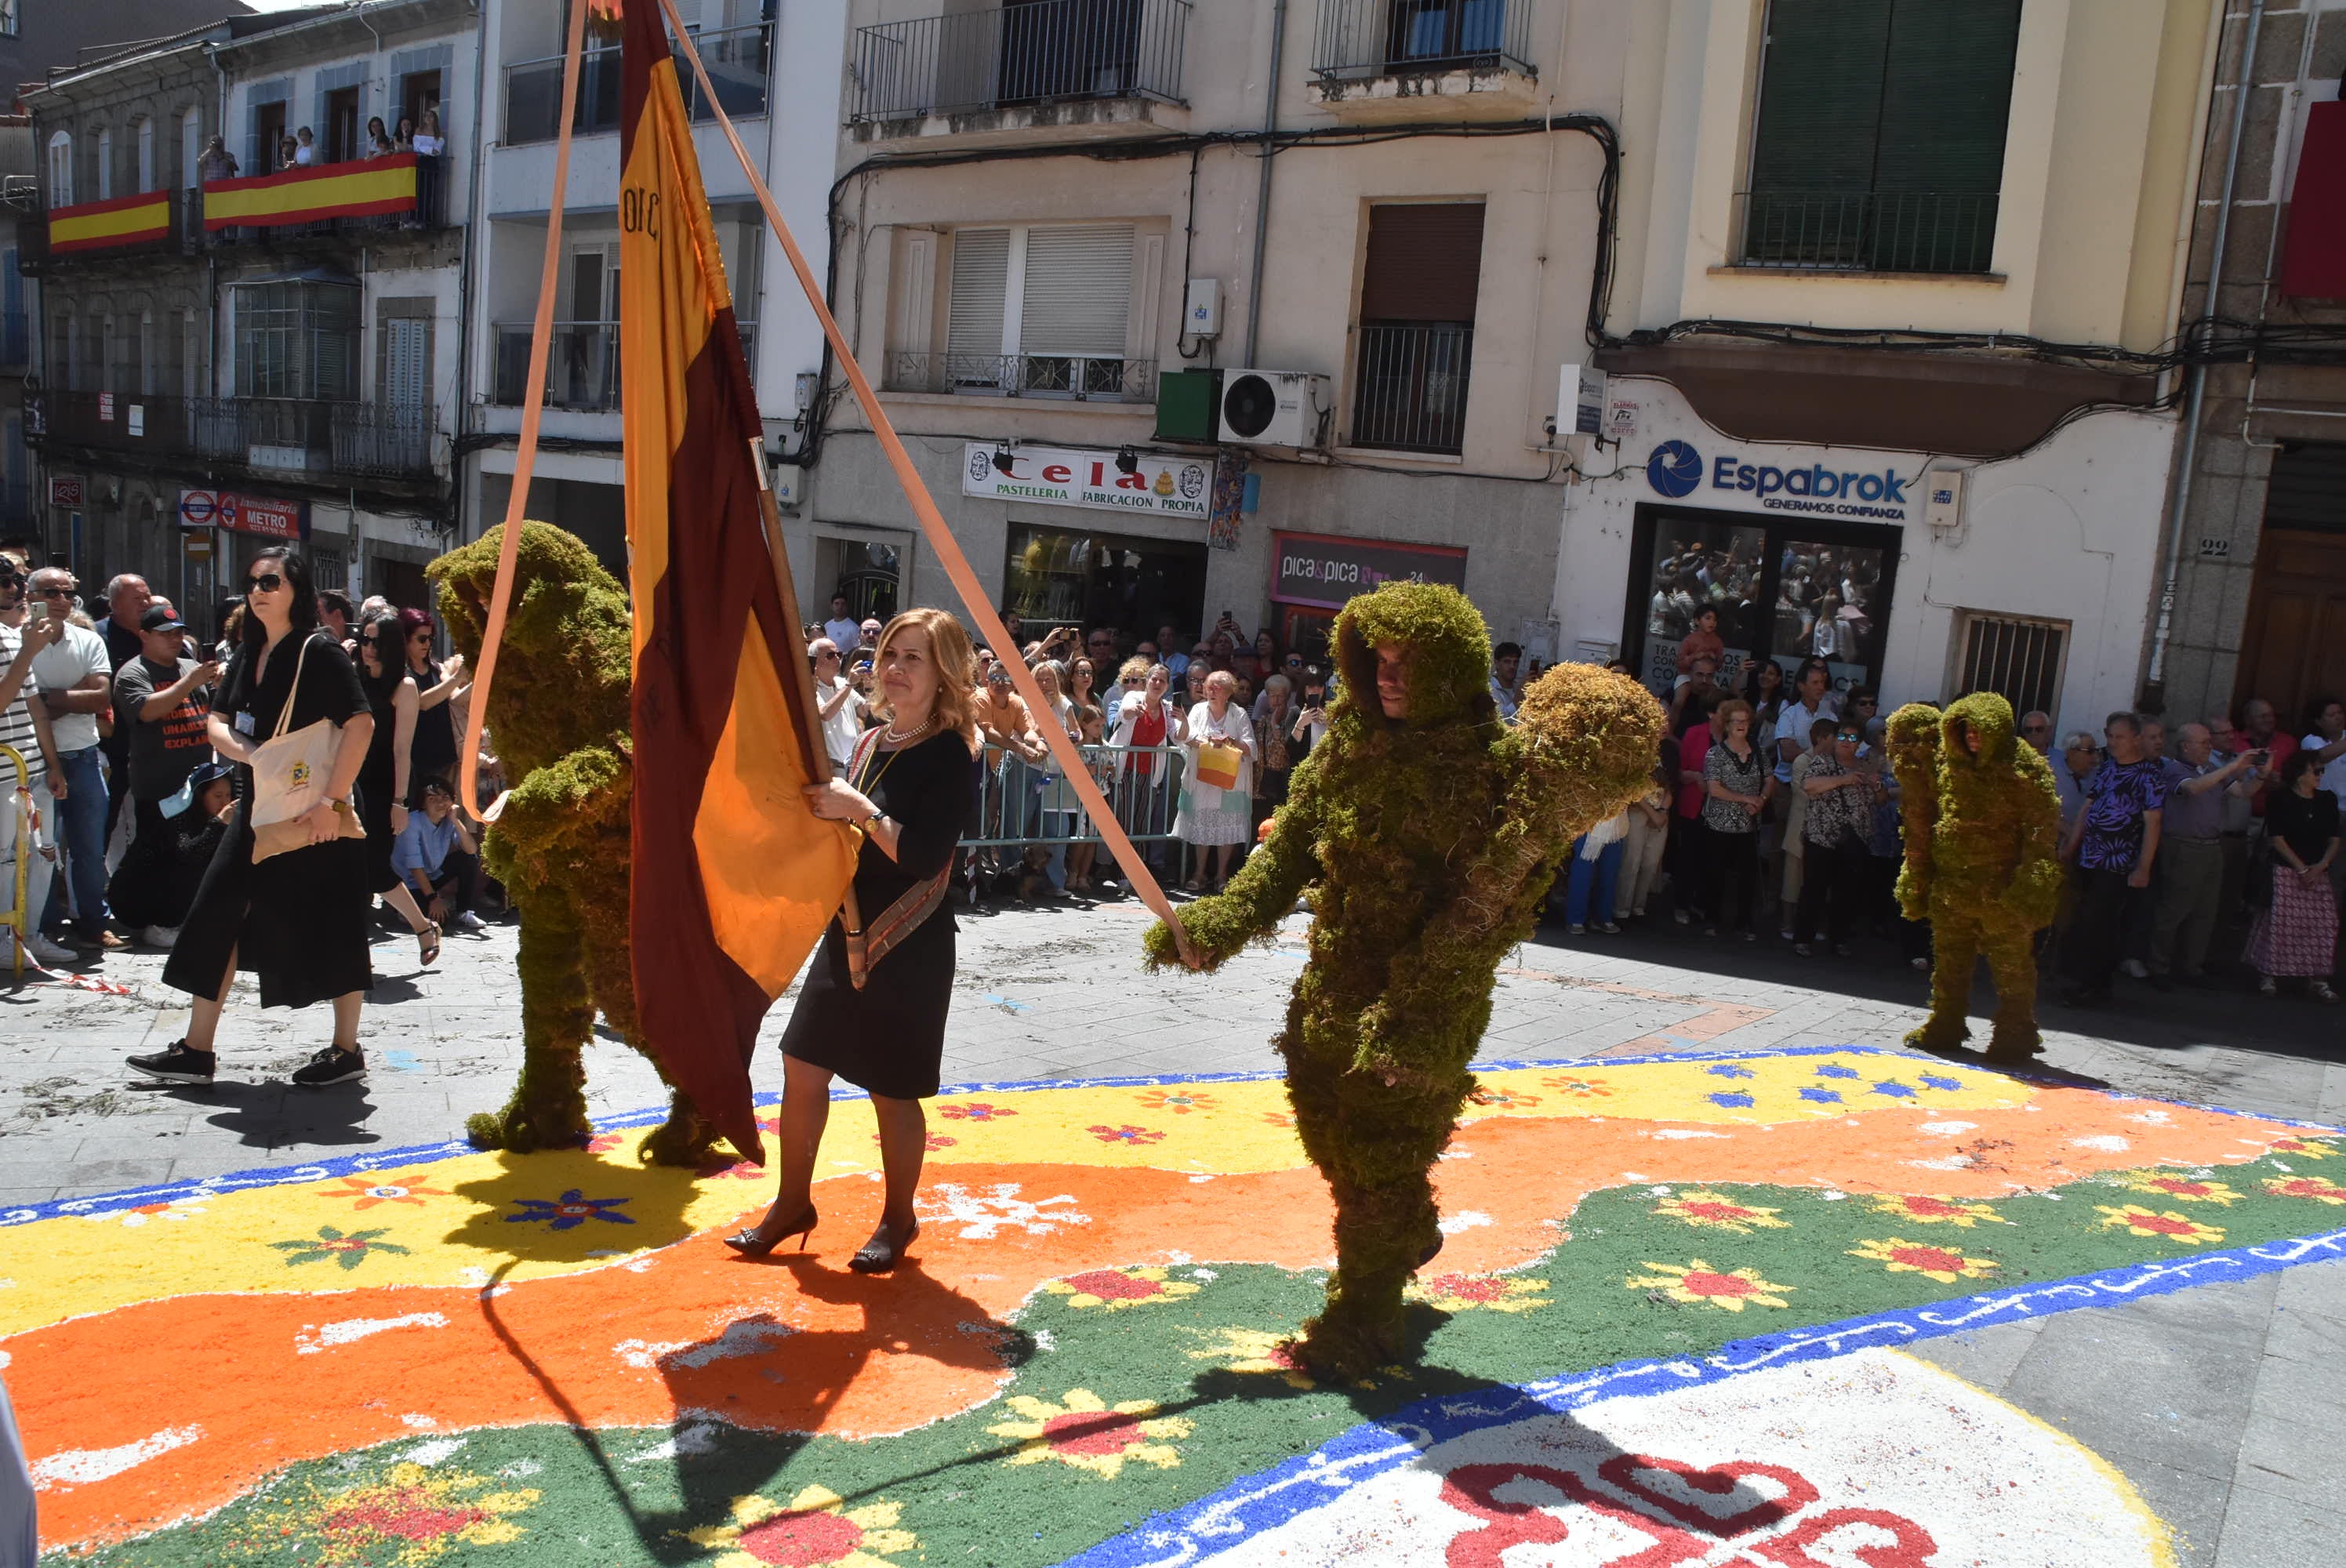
<point x="419" y="91"/>
<point x="2293" y="646"/>
<point x="870" y="572"/>
<point x="342" y="124"/>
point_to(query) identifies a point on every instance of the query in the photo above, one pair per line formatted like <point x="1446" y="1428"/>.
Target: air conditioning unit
<point x="1274" y="408"/>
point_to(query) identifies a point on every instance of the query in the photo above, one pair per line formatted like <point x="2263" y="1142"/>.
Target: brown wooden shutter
<point x="1425" y="259"/>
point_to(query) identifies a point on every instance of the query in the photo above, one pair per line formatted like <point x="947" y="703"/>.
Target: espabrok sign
<point x="1675" y="469"/>
<point x="1063" y="476"/>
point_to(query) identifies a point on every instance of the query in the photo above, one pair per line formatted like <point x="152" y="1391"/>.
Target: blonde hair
<point x="956" y="665"/>
<point x="1133" y="672"/>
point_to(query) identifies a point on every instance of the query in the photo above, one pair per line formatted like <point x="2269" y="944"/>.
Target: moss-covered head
<point x="1986" y="717"/>
<point x="1447" y="647"/>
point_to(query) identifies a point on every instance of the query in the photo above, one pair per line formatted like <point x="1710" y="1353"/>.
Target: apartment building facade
<point x="1060" y="268"/>
<point x="233" y="357"/>
<point x="1885" y="346"/>
<point x="775" y="71"/>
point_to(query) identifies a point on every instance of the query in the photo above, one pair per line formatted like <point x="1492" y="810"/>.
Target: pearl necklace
<point x="894" y="739"/>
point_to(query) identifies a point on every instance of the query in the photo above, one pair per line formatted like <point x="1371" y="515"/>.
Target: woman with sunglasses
<point x="436" y="720"/>
<point x="1839" y="827"/>
<point x="297" y="919"/>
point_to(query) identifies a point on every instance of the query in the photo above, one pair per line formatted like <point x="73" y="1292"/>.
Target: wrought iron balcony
<point x="1364" y="38"/>
<point x="738" y="61"/>
<point x="1410" y="394"/>
<point x="973" y="62"/>
<point x="1869" y="232"/>
<point x="284" y="435"/>
<point x="1078" y="377"/>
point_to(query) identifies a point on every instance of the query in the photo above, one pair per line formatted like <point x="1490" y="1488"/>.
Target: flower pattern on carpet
<point x="2172" y="1184"/>
<point x="1083" y="1430"/>
<point x="349" y="1251"/>
<point x="1703" y="1207"/>
<point x="1942" y="1263"/>
<point x="572" y="1209"/>
<point x="1117" y="1289"/>
<point x="815" y="1529"/>
<point x="1480" y="1293"/>
<point x="1696" y="1283"/>
<point x="1938" y="1211"/>
<point x="412" y="1517"/>
<point x="2140" y="1221"/>
<point x="370" y="1191"/>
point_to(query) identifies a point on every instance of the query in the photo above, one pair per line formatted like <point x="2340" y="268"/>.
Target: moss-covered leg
<point x="1955" y="954"/>
<point x="2012" y="960"/>
<point x="548" y="1108"/>
<point x="1377" y="1146"/>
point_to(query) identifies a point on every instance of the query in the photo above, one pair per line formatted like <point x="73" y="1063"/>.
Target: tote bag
<point x="289" y="777"/>
<point x="1217" y="767"/>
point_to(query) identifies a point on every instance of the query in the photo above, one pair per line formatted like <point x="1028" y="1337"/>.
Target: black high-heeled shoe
<point x="749" y="1244"/>
<point x="883" y="1251"/>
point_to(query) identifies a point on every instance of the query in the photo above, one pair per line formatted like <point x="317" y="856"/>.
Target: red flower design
<point x="1127" y="1134"/>
<point x="1092" y="1432"/>
<point x="1114" y="1285"/>
<point x="977" y="1111"/>
<point x="802" y="1537"/>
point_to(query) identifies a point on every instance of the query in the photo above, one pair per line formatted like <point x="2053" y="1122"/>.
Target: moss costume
<point x="1983" y="837"/>
<point x="1427" y="845"/>
<point x="559" y="712"/>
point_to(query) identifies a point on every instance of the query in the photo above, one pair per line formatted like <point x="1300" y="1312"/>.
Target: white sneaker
<point x="162" y="936"/>
<point x="47" y="953"/>
<point x="466" y="921"/>
<point x="2134" y="966"/>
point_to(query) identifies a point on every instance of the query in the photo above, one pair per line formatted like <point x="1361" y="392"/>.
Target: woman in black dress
<point x="910" y="787"/>
<point x="298" y="920"/>
<point x="385" y="780"/>
<point x="433" y="747"/>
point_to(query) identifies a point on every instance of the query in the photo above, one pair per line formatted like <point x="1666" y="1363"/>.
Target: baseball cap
<point x="160" y="618"/>
<point x="203" y="775"/>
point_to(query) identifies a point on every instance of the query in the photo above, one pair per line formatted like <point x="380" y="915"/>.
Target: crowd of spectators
<point x="124" y="802"/>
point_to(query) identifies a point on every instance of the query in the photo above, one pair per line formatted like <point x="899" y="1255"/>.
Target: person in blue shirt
<point x="438" y="857"/>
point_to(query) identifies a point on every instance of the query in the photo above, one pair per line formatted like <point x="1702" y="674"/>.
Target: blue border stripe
<point x="1271" y="1497"/>
<point x="417" y="1154"/>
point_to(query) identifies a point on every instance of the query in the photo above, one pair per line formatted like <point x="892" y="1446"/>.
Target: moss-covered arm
<point x="2034" y="895"/>
<point x="1261" y="894"/>
<point x="1913" y="740"/>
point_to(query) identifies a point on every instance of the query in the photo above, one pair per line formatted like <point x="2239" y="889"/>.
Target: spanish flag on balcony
<point x="733" y="879"/>
<point x="313" y="194"/>
<point x="101" y="225"/>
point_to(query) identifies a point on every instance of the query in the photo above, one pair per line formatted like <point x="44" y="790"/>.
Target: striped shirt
<point x="17" y="719"/>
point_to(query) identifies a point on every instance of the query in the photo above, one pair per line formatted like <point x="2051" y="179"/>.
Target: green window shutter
<point x="1947" y="96"/>
<point x="1812" y="149"/>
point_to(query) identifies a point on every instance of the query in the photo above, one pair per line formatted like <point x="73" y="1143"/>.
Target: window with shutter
<point x="981" y="287"/>
<point x="1880" y="140"/>
<point x="1419" y="284"/>
<point x="405" y="339"/>
<point x="1077" y="307"/>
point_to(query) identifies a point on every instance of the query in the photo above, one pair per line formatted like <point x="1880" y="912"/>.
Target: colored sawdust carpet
<point x="1665" y="1329"/>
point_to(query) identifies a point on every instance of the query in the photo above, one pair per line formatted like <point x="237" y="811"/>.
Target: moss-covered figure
<point x="1427" y="834"/>
<point x="558" y="709"/>
<point x="1982" y="827"/>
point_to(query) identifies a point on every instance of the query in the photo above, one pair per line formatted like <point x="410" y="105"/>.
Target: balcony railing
<point x="736" y="57"/>
<point x="1359" y="39"/>
<point x="1054" y="50"/>
<point x="343" y="440"/>
<point x="1080" y="377"/>
<point x="1410" y="394"/>
<point x="582" y="364"/>
<point x="188" y="237"/>
<point x="1869" y="232"/>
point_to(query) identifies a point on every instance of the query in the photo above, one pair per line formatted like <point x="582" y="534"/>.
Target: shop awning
<point x="103" y="225"/>
<point x="377" y="185"/>
<point x="2313" y="265"/>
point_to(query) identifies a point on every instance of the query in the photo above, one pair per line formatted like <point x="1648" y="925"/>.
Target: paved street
<point x="2222" y="1403"/>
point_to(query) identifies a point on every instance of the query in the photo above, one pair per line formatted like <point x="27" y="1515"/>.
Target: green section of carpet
<point x="1135" y="1390"/>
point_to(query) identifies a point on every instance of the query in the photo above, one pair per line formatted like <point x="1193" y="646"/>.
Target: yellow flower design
<point x="1255" y="1351"/>
<point x="371" y="1190"/>
<point x="1698" y="1284"/>
<point x="2303" y="1148"/>
<point x="815" y="1530"/>
<point x="1580" y="1088"/>
<point x="1117" y="1288"/>
<point x="1937" y="1211"/>
<point x="411" y="1517"/>
<point x="2314" y="1187"/>
<point x="1487" y="1292"/>
<point x="2143" y="1221"/>
<point x="1717" y="1211"/>
<point x="1180" y="1102"/>
<point x="1942" y="1263"/>
<point x="2170" y="1184"/>
<point x="1085" y="1431"/>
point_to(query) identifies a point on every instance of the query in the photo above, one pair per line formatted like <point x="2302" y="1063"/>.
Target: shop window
<point x="296" y="339"/>
<point x="1784" y="593"/>
<point x="1035" y="311"/>
<point x="1879" y="144"/>
<point x="1416" y="334"/>
<point x="2018" y="658"/>
<point x="1073" y="576"/>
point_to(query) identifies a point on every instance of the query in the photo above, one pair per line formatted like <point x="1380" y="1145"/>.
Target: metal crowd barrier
<point x="1021" y="804"/>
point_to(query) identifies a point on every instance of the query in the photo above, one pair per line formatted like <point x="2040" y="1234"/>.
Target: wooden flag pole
<point x="932" y="524"/>
<point x="541" y="342"/>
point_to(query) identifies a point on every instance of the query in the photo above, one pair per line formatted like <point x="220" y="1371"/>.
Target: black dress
<point x="377" y="775"/>
<point x="431" y="754"/>
<point x="298" y="920"/>
<point x="889" y="1039"/>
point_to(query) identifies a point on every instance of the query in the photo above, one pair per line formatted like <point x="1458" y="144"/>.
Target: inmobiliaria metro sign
<point x="268" y="519"/>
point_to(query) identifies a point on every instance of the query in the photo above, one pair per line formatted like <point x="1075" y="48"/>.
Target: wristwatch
<point x="340" y="803"/>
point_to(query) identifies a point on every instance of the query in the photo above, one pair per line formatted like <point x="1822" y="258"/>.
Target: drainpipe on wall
<point x="2154" y="680"/>
<point x="1263" y="185"/>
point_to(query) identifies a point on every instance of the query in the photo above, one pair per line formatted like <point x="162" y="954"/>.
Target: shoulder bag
<point x="289" y="777"/>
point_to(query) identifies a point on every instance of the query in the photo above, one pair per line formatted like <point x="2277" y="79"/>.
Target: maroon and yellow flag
<point x="733" y="879"/>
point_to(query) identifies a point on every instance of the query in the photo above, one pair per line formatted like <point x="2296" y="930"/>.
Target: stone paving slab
<point x="2224" y="1404"/>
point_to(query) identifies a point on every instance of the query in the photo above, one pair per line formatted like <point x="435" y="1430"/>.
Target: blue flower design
<point x="1733" y="1102"/>
<point x="1821" y="1097"/>
<point x="1930" y="1081"/>
<point x="573" y="1208"/>
<point x="1895" y="1090"/>
<point x="1729" y="1070"/>
<point x="1835" y="1070"/>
